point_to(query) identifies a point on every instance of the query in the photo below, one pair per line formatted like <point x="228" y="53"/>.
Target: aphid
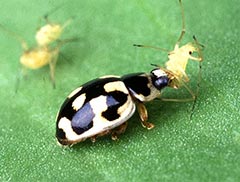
<point x="50" y="32"/>
<point x="103" y="106"/>
<point x="178" y="59"/>
<point x="39" y="55"/>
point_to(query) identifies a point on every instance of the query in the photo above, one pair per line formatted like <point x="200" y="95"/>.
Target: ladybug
<point x="103" y="106"/>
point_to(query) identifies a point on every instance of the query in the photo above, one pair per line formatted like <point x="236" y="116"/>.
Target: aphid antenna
<point x="45" y="17"/>
<point x="62" y="42"/>
<point x="201" y="46"/>
<point x="152" y="47"/>
<point x="66" y="23"/>
<point x="180" y="37"/>
<point x="17" y="37"/>
<point x="155" y="65"/>
<point x="183" y="24"/>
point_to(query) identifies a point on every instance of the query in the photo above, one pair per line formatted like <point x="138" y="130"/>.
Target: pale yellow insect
<point x="39" y="55"/>
<point x="177" y="61"/>
<point x="50" y="32"/>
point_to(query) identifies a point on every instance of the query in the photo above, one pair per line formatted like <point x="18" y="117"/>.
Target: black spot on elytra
<point x="83" y="119"/>
<point x="115" y="100"/>
<point x="92" y="89"/>
<point x="60" y="134"/>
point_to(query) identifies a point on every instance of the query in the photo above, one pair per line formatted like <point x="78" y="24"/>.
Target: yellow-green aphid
<point x="38" y="56"/>
<point x="178" y="59"/>
<point x="50" y="32"/>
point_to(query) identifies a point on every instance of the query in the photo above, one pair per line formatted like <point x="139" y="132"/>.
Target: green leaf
<point x="205" y="148"/>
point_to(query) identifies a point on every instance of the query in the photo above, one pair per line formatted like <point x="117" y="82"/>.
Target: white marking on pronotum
<point x="159" y="73"/>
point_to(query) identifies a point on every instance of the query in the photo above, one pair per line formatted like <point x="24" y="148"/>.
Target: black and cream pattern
<point x="105" y="103"/>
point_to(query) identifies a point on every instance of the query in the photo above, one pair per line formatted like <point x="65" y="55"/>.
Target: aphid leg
<point x="200" y="56"/>
<point x="184" y="76"/>
<point x="52" y="65"/>
<point x="45" y="17"/>
<point x="21" y="73"/>
<point x="199" y="78"/>
<point x="142" y="111"/>
<point x="183" y="25"/>
<point x="119" y="130"/>
<point x="17" y="37"/>
<point x="193" y="96"/>
<point x="55" y="53"/>
<point x="52" y="71"/>
<point x="18" y="79"/>
<point x="61" y="43"/>
<point x="199" y="59"/>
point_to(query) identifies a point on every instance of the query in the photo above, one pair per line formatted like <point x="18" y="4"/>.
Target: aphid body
<point x="102" y="106"/>
<point x="50" y="33"/>
<point x="38" y="57"/>
<point x="178" y="60"/>
<point x="43" y="53"/>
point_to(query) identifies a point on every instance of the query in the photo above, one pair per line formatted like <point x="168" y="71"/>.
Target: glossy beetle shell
<point x="101" y="105"/>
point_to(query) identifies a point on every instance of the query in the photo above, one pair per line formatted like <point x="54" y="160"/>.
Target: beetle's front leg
<point x="142" y="111"/>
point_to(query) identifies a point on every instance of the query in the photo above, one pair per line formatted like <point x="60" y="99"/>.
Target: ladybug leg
<point x="119" y="130"/>
<point x="93" y="138"/>
<point x="142" y="111"/>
